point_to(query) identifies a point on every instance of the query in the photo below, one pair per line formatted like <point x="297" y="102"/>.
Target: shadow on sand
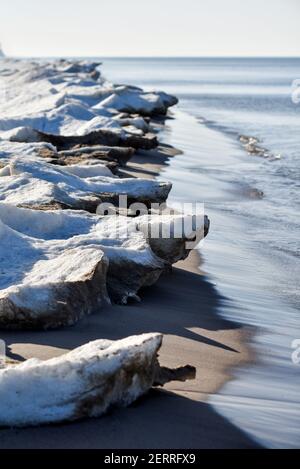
<point x="161" y="419"/>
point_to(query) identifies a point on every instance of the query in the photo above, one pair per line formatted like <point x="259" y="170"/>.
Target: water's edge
<point x="261" y="395"/>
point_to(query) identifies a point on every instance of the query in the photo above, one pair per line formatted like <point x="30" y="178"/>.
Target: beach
<point x="212" y="310"/>
<point x="183" y="306"/>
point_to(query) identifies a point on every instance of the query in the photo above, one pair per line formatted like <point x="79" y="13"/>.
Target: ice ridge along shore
<point x="64" y="133"/>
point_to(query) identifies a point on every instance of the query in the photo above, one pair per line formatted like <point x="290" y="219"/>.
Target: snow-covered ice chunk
<point x="137" y="255"/>
<point x="71" y="98"/>
<point x="9" y="150"/>
<point x="41" y="288"/>
<point x="37" y="184"/>
<point x="83" y="383"/>
<point x="173" y="236"/>
<point x="128" y="99"/>
<point x="54" y="235"/>
<point x="85" y="171"/>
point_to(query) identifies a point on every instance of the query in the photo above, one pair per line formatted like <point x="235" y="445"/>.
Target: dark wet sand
<point x="183" y="306"/>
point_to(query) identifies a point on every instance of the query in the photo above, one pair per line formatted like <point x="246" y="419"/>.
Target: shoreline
<point x="182" y="419"/>
<point x="241" y="338"/>
<point x="183" y="306"/>
<point x="195" y="333"/>
<point x="241" y="268"/>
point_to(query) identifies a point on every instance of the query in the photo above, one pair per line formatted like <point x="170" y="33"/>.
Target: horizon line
<point x="156" y="56"/>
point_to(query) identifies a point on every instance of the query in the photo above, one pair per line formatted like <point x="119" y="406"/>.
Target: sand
<point x="183" y="306"/>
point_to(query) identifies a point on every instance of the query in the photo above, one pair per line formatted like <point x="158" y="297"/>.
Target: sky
<point x="150" y="27"/>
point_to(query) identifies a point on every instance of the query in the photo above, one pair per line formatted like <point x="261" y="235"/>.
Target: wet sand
<point x="183" y="306"/>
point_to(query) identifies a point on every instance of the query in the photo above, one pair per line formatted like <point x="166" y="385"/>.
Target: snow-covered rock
<point x="85" y="382"/>
<point x="37" y="184"/>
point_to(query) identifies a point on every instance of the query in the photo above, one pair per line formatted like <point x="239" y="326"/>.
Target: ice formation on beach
<point x="64" y="262"/>
<point x="40" y="184"/>
<point x="84" y="382"/>
<point x="60" y="104"/>
<point x="71" y="98"/>
<point x="64" y="134"/>
<point x="41" y="288"/>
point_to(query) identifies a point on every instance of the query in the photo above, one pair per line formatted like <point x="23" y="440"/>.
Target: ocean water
<point x="250" y="97"/>
<point x="252" y="251"/>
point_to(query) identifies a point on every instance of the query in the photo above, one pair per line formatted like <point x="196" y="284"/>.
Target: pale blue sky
<point x="150" y="28"/>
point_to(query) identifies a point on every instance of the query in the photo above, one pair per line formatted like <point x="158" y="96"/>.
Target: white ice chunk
<point x="82" y="383"/>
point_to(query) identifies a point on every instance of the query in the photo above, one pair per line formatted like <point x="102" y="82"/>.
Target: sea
<point x="252" y="251"/>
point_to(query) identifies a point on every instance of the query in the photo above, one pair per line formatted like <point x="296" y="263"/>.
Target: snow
<point x="89" y="171"/>
<point x="62" y="98"/>
<point x="34" y="183"/>
<point x="58" y="265"/>
<point x="66" y="97"/>
<point x="49" y="241"/>
<point x="9" y="150"/>
<point x="49" y="246"/>
<point x="130" y="100"/>
<point x="114" y="254"/>
<point x="82" y="383"/>
<point x="40" y="285"/>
